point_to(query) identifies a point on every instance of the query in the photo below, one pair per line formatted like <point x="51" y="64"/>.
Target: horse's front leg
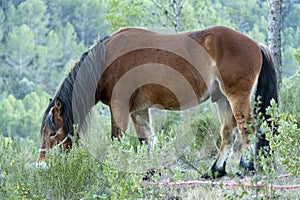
<point x="117" y="129"/>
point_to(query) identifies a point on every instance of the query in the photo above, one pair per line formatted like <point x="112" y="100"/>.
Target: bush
<point x="75" y="176"/>
<point x="285" y="145"/>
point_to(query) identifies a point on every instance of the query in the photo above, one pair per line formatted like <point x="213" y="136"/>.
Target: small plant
<point x="286" y="144"/>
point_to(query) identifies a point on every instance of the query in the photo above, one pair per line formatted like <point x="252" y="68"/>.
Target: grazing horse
<point x="135" y="69"/>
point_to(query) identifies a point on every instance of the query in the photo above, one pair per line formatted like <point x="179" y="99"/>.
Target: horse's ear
<point x="50" y="100"/>
<point x="58" y="104"/>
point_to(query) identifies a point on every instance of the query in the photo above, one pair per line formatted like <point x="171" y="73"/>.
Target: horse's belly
<point x="163" y="97"/>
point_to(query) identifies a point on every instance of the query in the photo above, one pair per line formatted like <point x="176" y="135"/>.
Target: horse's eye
<point x="52" y="134"/>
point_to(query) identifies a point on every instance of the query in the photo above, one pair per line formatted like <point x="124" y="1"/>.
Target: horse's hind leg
<point x="142" y="123"/>
<point x="227" y="126"/>
<point x="242" y="111"/>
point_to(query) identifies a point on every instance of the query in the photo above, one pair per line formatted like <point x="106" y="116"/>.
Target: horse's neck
<point x="86" y="82"/>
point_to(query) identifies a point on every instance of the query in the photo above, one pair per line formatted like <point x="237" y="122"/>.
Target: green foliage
<point x="85" y="13"/>
<point x="21" y="118"/>
<point x="284" y="145"/>
<point x="125" y="13"/>
<point x="166" y="120"/>
<point x="19" y="49"/>
<point x="285" y="119"/>
<point x="79" y="175"/>
<point x="33" y="14"/>
<point x="17" y="156"/>
<point x="59" y="177"/>
<point x="283" y="155"/>
<point x="289" y="60"/>
<point x="36" y="48"/>
<point x="63" y="178"/>
<point x="193" y="14"/>
<point x="11" y="121"/>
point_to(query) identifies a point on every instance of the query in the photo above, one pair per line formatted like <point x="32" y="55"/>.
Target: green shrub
<point x="285" y="145"/>
<point x="75" y="176"/>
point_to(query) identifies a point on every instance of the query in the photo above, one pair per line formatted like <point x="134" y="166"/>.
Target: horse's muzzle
<point x="41" y="164"/>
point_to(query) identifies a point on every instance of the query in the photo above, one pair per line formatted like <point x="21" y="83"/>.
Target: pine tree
<point x="19" y="49"/>
<point x="33" y="14"/>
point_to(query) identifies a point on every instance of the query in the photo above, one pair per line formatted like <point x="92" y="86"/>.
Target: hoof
<point x="207" y="176"/>
<point x="247" y="165"/>
<point x="214" y="175"/>
<point x="243" y="173"/>
<point x="239" y="174"/>
<point x="216" y="171"/>
<point x="247" y="168"/>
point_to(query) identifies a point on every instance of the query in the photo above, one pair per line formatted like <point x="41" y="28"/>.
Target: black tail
<point x="266" y="88"/>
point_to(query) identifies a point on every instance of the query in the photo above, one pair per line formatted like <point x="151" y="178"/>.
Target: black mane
<point x="77" y="91"/>
<point x="64" y="93"/>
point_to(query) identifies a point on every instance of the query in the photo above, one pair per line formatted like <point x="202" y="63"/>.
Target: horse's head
<point x="53" y="132"/>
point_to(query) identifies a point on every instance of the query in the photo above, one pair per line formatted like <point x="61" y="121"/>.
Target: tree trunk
<point x="274" y="35"/>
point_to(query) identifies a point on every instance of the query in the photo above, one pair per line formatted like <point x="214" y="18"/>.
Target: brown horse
<point x="135" y="69"/>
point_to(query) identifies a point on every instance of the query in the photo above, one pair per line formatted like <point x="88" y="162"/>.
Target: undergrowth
<point x="187" y="144"/>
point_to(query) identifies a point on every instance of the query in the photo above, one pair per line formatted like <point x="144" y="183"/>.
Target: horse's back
<point x="162" y="64"/>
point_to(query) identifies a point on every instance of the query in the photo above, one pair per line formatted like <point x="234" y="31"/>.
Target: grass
<point x="186" y="148"/>
<point x="118" y="174"/>
<point x="80" y="176"/>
